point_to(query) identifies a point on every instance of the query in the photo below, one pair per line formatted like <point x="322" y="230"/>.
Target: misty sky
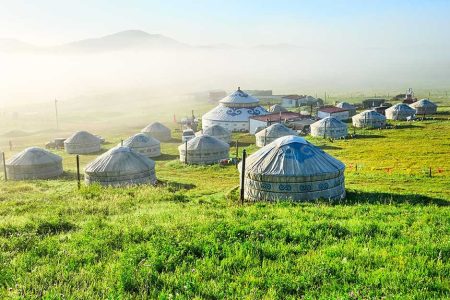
<point x="332" y="23"/>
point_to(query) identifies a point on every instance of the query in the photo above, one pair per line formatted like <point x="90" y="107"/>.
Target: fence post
<point x="429" y="172"/>
<point x="244" y="156"/>
<point x="4" y="166"/>
<point x="356" y="168"/>
<point x="78" y="172"/>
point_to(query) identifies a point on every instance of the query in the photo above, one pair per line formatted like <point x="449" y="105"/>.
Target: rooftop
<point x="332" y="109"/>
<point x="288" y="115"/>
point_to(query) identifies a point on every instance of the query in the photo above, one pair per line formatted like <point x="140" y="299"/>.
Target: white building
<point x="233" y="112"/>
<point x="331" y="111"/>
<point x="298" y="100"/>
<point x="269" y="119"/>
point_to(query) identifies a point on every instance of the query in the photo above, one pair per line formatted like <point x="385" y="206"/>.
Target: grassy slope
<point x="188" y="238"/>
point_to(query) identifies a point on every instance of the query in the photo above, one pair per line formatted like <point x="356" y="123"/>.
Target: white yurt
<point x="158" y="131"/>
<point x="218" y="132"/>
<point x="347" y="106"/>
<point x="271" y="133"/>
<point x="120" y="166"/>
<point x="329" y="127"/>
<point x="276" y="108"/>
<point x="143" y="144"/>
<point x="82" y="142"/>
<point x="424" y="107"/>
<point x="369" y="119"/>
<point x="233" y="112"/>
<point x="204" y="149"/>
<point x="291" y="168"/>
<point x="399" y="111"/>
<point x="34" y="163"/>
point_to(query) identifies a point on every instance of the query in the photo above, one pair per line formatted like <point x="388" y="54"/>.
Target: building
<point x="369" y="119"/>
<point x="329" y="127"/>
<point x="233" y="112"/>
<point x="332" y="111"/>
<point x="120" y="166"/>
<point x="277" y="108"/>
<point x="424" y="107"/>
<point x="158" y="131"/>
<point x="400" y="112"/>
<point x="204" y="150"/>
<point x="373" y="102"/>
<point x="143" y="144"/>
<point x="299" y="100"/>
<point x="268" y="119"/>
<point x="271" y="133"/>
<point x="82" y="142"/>
<point x="291" y="168"/>
<point x="347" y="106"/>
<point x="260" y="93"/>
<point x="218" y="132"/>
<point x="34" y="163"/>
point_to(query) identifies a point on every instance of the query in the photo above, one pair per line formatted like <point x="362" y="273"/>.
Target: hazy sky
<point x="332" y="23"/>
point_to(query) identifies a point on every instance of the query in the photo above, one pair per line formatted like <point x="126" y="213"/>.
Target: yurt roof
<point x="205" y="142"/>
<point x="329" y="122"/>
<point x="216" y="130"/>
<point x="82" y="137"/>
<point x="401" y="107"/>
<point x="345" y="105"/>
<point x="121" y="160"/>
<point x="239" y="97"/>
<point x="423" y="103"/>
<point x="277" y="108"/>
<point x="276" y="130"/>
<point x="140" y="140"/>
<point x="155" y="127"/>
<point x="292" y="156"/>
<point x="230" y="114"/>
<point x="369" y="114"/>
<point x="34" y="156"/>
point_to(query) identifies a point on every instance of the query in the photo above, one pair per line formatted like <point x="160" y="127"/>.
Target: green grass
<point x="189" y="238"/>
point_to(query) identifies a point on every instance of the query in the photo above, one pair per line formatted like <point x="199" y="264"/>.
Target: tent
<point x="424" y="107"/>
<point x="329" y="127"/>
<point x="400" y="111"/>
<point x="218" y="132"/>
<point x="291" y="168"/>
<point x="347" y="106"/>
<point x="369" y="119"/>
<point x="34" y="163"/>
<point x="158" y="131"/>
<point x="144" y="144"/>
<point x="204" y="149"/>
<point x="120" y="166"/>
<point x="276" y="108"/>
<point x="271" y="133"/>
<point x="82" y="142"/>
<point x="233" y="112"/>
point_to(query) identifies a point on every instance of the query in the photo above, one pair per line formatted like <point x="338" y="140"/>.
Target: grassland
<point x="189" y="238"/>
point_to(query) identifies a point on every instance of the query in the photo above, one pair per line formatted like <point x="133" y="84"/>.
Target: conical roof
<point x="140" y="140"/>
<point x="82" y="137"/>
<point x="277" y="108"/>
<point x="401" y="107"/>
<point x="155" y="127"/>
<point x="205" y="143"/>
<point x="293" y="156"/>
<point x="239" y="97"/>
<point x="345" y="105"/>
<point x="369" y="115"/>
<point x="216" y="130"/>
<point x="33" y="156"/>
<point x="120" y="160"/>
<point x="423" y="103"/>
<point x="276" y="130"/>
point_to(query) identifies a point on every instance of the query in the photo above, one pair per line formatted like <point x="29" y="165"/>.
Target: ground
<point x="190" y="238"/>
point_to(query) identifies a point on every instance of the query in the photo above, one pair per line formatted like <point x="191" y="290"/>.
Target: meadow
<point x="189" y="238"/>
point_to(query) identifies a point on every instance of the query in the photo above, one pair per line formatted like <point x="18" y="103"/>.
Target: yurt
<point x="120" y="166"/>
<point x="218" y="132"/>
<point x="158" y="131"/>
<point x="291" y="168"/>
<point x="347" y="106"/>
<point x="400" y="111"/>
<point x="277" y="108"/>
<point x="143" y="144"/>
<point x="329" y="127"/>
<point x="369" y="119"/>
<point x="233" y="112"/>
<point x="34" y="163"/>
<point x="203" y="150"/>
<point x="82" y="142"/>
<point x="271" y="133"/>
<point x="424" y="107"/>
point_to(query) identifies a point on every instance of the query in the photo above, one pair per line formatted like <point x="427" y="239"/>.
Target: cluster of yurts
<point x="286" y="167"/>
